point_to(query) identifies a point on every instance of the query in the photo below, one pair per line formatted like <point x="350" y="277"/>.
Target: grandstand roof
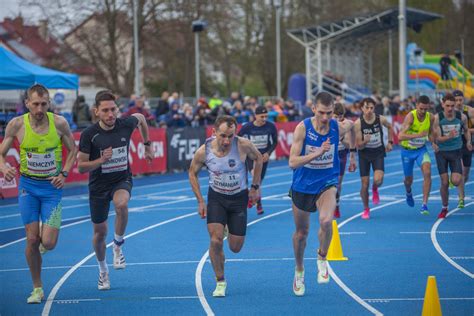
<point x="361" y="26"/>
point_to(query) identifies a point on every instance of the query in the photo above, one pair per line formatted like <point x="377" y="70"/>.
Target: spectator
<point x="307" y="110"/>
<point x="215" y="101"/>
<point x="241" y="115"/>
<point x="163" y="106"/>
<point x="224" y="109"/>
<point x="81" y="113"/>
<point x="201" y="118"/>
<point x="188" y="114"/>
<point x="291" y="111"/>
<point x="444" y="63"/>
<point x="272" y="114"/>
<point x="139" y="108"/>
<point x="175" y="117"/>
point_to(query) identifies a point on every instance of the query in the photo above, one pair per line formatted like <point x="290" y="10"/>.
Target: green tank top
<point x="416" y="128"/>
<point x="40" y="155"/>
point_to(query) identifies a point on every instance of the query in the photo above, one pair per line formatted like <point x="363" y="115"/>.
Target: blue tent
<point x="17" y="73"/>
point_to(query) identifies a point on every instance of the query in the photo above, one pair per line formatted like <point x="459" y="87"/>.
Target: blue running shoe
<point x="424" y="210"/>
<point x="410" y="200"/>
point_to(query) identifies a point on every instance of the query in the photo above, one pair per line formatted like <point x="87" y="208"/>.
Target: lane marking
<point x="57" y="286"/>
<point x="438" y="247"/>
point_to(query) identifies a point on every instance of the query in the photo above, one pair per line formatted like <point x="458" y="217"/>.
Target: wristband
<point x="353" y="150"/>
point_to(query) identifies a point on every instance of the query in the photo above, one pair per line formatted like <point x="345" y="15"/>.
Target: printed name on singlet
<point x="41" y="163"/>
<point x="226" y="183"/>
<point x="118" y="161"/>
<point x="451" y="127"/>
<point x="324" y="161"/>
<point x="260" y="141"/>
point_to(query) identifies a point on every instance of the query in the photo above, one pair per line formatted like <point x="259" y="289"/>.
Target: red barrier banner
<point x="285" y="138"/>
<point x="136" y="158"/>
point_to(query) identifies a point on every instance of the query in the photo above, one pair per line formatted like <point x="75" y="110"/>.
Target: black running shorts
<point x="230" y="210"/>
<point x="451" y="159"/>
<point x="99" y="201"/>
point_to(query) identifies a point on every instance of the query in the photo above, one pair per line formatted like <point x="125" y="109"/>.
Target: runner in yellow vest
<point x="414" y="133"/>
<point x="41" y="136"/>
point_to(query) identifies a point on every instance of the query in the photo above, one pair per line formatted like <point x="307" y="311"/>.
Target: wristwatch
<point x="147" y="143"/>
<point x="390" y="142"/>
<point x="255" y="186"/>
<point x="64" y="173"/>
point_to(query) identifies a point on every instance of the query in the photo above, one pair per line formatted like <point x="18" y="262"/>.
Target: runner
<point x="103" y="151"/>
<point x="224" y="155"/>
<point x="414" y="133"/>
<point x="315" y="167"/>
<point x="263" y="135"/>
<point x="41" y="136"/>
<point x="371" y="151"/>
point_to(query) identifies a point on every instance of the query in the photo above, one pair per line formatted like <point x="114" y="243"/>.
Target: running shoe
<point x="443" y="213"/>
<point x="366" y="214"/>
<point x="259" y="207"/>
<point x="298" y="283"/>
<point x="36" y="296"/>
<point x="226" y="231"/>
<point x="119" y="259"/>
<point x="337" y="213"/>
<point x="104" y="281"/>
<point x="42" y="249"/>
<point x="410" y="200"/>
<point x="424" y="210"/>
<point x="375" y="195"/>
<point x="323" y="271"/>
<point x="461" y="203"/>
<point x="220" y="289"/>
<point x="451" y="185"/>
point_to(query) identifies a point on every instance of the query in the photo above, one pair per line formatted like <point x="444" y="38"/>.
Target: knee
<point x="121" y="206"/>
<point x="33" y="241"/>
<point x="49" y="244"/>
<point x="236" y="247"/>
<point x="378" y="181"/>
<point x="301" y="234"/>
<point x="325" y="223"/>
<point x="456" y="179"/>
<point x="100" y="235"/>
<point x="216" y="242"/>
<point x="408" y="181"/>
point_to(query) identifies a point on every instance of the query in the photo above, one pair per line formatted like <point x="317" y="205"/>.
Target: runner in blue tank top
<point x="224" y="155"/>
<point x="315" y="162"/>
<point x="448" y="126"/>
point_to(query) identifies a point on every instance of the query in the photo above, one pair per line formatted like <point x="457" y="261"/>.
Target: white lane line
<point x="438" y="247"/>
<point x="387" y="300"/>
<point x="76" y="300"/>
<point x="462" y="258"/>
<point x="443" y="232"/>
<point x="57" y="286"/>
<point x="172" y="297"/>
<point x="198" y="274"/>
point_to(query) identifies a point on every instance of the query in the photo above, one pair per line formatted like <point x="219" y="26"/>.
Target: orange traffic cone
<point x="335" y="248"/>
<point x="431" y="304"/>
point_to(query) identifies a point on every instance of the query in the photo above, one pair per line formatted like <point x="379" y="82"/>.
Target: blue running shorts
<point x="409" y="157"/>
<point x="39" y="198"/>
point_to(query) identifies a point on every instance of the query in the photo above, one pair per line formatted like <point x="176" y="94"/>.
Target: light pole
<point x="278" y="48"/>
<point x="135" y="49"/>
<point x="198" y="27"/>
<point x="402" y="42"/>
<point x="417" y="52"/>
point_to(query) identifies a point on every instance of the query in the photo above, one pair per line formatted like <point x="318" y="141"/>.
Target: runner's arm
<point x="196" y="165"/>
<point x="296" y="160"/>
<point x="143" y="128"/>
<point x="10" y="134"/>
<point x="68" y="141"/>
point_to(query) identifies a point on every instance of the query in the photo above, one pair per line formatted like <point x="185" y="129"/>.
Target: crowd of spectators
<point x="173" y="111"/>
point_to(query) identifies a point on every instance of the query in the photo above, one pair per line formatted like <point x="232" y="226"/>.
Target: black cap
<point x="458" y="93"/>
<point x="261" y="110"/>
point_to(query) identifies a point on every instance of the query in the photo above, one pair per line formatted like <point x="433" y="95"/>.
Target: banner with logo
<point x="182" y="144"/>
<point x="285" y="138"/>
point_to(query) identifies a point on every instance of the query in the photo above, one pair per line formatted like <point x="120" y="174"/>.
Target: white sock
<point x="103" y="266"/>
<point x="118" y="238"/>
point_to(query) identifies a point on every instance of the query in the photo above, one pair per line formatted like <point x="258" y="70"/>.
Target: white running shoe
<point x="323" y="271"/>
<point x="298" y="283"/>
<point x="104" y="281"/>
<point x="119" y="259"/>
<point x="221" y="286"/>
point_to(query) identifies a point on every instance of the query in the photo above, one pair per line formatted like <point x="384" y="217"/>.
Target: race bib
<point x="375" y="141"/>
<point x="326" y="161"/>
<point x="418" y="142"/>
<point x="260" y="141"/>
<point x="226" y="183"/>
<point x="451" y="127"/>
<point x="118" y="161"/>
<point x="41" y="164"/>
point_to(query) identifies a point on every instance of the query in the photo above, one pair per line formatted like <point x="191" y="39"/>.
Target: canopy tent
<point x="17" y="73"/>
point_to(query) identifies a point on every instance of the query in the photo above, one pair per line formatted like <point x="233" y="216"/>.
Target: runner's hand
<point x="352" y="165"/>
<point x="58" y="181"/>
<point x="9" y="173"/>
<point x="106" y="154"/>
<point x="202" y="209"/>
<point x="367" y="138"/>
<point x="149" y="154"/>
<point x="265" y="157"/>
<point x="326" y="146"/>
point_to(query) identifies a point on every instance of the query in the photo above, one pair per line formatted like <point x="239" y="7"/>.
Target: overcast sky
<point x="11" y="8"/>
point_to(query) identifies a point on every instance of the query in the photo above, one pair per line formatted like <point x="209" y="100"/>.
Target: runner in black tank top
<point x="371" y="150"/>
